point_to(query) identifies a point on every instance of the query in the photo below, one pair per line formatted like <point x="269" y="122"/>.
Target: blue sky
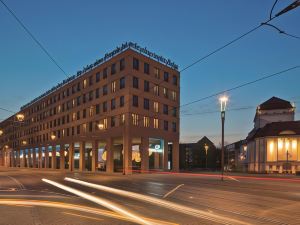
<point x="78" y="32"/>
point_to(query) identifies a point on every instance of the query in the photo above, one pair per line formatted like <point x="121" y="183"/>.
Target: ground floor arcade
<point x="141" y="154"/>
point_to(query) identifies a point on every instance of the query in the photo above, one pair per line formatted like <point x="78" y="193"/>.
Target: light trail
<point x="162" y="203"/>
<point x="105" y="203"/>
<point x="79" y="208"/>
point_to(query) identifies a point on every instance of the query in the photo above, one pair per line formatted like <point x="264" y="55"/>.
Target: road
<point x="145" y="199"/>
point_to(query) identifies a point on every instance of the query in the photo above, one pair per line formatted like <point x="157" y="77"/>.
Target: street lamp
<point x="206" y="149"/>
<point x="53" y="137"/>
<point x="20" y="117"/>
<point x="223" y="102"/>
<point x="1" y="132"/>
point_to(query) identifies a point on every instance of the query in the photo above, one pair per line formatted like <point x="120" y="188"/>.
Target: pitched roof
<point x="276" y="129"/>
<point x="275" y="103"/>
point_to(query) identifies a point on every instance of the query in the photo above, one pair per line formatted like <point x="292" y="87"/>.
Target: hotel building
<point x="119" y="114"/>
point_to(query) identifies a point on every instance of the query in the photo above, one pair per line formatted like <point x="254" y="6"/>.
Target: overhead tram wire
<point x="34" y="38"/>
<point x="241" y="85"/>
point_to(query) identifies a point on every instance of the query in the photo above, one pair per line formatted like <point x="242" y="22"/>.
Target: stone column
<point x="166" y="155"/>
<point x="62" y="157"/>
<point x="71" y="157"/>
<point x="40" y="158"/>
<point x="82" y="157"/>
<point x="127" y="149"/>
<point x="145" y="155"/>
<point x="175" y="156"/>
<point x="46" y="157"/>
<point x="94" y="155"/>
<point x="109" y="156"/>
<point x="53" y="157"/>
<point x="34" y="161"/>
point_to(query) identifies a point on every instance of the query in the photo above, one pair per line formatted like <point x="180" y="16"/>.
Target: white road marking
<point x="173" y="190"/>
<point x="232" y="178"/>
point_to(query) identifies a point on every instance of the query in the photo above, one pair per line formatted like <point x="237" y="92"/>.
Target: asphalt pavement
<point x="31" y="196"/>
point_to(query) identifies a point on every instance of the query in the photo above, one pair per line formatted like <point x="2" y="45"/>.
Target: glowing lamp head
<point x="1" y="132"/>
<point x="53" y="137"/>
<point x="101" y="126"/>
<point x="24" y="142"/>
<point x="223" y="102"/>
<point x="206" y="147"/>
<point x="20" y="117"/>
<point x="6" y="146"/>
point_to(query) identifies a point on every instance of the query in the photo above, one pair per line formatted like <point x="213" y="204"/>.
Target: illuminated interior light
<point x="294" y="144"/>
<point x="20" y="117"/>
<point x="280" y="144"/>
<point x="104" y="155"/>
<point x="271" y="147"/>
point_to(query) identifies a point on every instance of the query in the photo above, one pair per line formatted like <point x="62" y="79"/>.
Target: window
<point x="113" y="104"/>
<point x="113" y="87"/>
<point x="113" y="121"/>
<point x="122" y="64"/>
<point x="97" y="93"/>
<point x="84" y="83"/>
<point x="102" y="124"/>
<point x="73" y="89"/>
<point x="91" y="111"/>
<point x="104" y="106"/>
<point x="90" y="126"/>
<point x="146" y="68"/>
<point x="90" y="80"/>
<point x="113" y="69"/>
<point x="122" y="82"/>
<point x="166" y="92"/>
<point x="174" y="126"/>
<point x="174" y="80"/>
<point x="97" y="109"/>
<point x="78" y="86"/>
<point x="146" y="86"/>
<point x="166" y="76"/>
<point x="104" y="90"/>
<point x="78" y="115"/>
<point x="90" y="95"/>
<point x="84" y="98"/>
<point x="155" y="106"/>
<point x="156" y="90"/>
<point x="174" y="95"/>
<point x="166" y="109"/>
<point x="78" y="101"/>
<point x="104" y="73"/>
<point x="122" y="119"/>
<point x="146" y="121"/>
<point x="135" y="82"/>
<point x="135" y="119"/>
<point x="84" y="128"/>
<point x="78" y="129"/>
<point x="155" y="123"/>
<point x="174" y="112"/>
<point x="157" y="73"/>
<point x="84" y="113"/>
<point x="146" y="103"/>
<point x="135" y="100"/>
<point x="135" y="64"/>
<point x="97" y="77"/>
<point x="166" y="125"/>
<point x="122" y="101"/>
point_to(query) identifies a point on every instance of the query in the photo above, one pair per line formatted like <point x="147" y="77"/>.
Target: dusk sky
<point x="78" y="32"/>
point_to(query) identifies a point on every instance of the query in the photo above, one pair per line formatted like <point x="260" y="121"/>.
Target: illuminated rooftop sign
<point x="107" y="56"/>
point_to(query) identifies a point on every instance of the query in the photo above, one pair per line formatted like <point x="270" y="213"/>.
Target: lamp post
<point x="206" y="149"/>
<point x="223" y="103"/>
